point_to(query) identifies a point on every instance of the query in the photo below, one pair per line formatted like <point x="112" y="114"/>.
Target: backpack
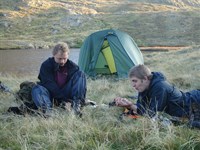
<point x="24" y="93"/>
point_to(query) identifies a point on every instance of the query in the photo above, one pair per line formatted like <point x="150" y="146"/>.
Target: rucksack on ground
<point x="24" y="93"/>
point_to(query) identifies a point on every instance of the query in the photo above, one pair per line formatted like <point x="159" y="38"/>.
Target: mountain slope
<point x="41" y="23"/>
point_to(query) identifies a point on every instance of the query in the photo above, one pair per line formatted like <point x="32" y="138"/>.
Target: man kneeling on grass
<point x="158" y="95"/>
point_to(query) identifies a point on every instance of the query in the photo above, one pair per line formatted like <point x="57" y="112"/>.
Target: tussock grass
<point x="100" y="128"/>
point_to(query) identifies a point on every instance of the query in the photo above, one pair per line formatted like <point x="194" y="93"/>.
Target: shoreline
<point x="142" y="48"/>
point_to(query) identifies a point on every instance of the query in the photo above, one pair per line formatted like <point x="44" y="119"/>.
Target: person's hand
<point x="122" y="102"/>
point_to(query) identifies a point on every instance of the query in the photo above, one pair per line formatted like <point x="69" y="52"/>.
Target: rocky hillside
<point x="41" y="23"/>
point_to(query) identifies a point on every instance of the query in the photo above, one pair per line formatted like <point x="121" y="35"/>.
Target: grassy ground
<point x="42" y="23"/>
<point x="100" y="127"/>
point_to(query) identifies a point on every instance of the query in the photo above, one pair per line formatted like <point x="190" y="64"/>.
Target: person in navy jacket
<point x="61" y="81"/>
<point x="156" y="94"/>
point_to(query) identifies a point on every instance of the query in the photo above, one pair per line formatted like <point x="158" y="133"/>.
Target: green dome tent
<point x="109" y="52"/>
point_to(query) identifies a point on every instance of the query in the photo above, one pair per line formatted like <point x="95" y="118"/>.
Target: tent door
<point x="101" y="65"/>
<point x="105" y="63"/>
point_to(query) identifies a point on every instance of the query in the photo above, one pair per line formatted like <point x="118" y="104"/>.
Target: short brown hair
<point x="140" y="71"/>
<point x="61" y="46"/>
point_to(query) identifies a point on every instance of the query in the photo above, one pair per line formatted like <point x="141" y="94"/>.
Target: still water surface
<point x="27" y="62"/>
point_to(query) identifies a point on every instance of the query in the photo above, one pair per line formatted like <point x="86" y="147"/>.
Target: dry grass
<point x="25" y="22"/>
<point x="31" y="7"/>
<point x="100" y="127"/>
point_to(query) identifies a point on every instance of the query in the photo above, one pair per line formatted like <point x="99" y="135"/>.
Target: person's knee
<point x="80" y="74"/>
<point x="39" y="89"/>
<point x="40" y="96"/>
<point x="79" y="77"/>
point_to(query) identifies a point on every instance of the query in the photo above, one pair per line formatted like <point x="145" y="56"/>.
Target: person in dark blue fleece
<point x="61" y="81"/>
<point x="156" y="94"/>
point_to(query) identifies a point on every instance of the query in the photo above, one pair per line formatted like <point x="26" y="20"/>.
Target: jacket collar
<point x="56" y="65"/>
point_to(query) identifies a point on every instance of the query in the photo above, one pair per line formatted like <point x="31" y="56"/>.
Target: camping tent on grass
<point x="109" y="52"/>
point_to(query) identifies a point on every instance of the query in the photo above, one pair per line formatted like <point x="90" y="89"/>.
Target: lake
<point x="27" y="62"/>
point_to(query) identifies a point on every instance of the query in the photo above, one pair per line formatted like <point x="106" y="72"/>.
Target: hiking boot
<point x="195" y="116"/>
<point x="76" y="107"/>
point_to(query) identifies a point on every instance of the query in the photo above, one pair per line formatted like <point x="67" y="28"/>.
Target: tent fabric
<point x="123" y="49"/>
<point x="109" y="59"/>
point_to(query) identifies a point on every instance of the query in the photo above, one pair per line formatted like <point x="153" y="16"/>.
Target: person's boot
<point x="76" y="106"/>
<point x="195" y="116"/>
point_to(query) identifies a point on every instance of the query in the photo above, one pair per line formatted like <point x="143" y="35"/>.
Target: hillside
<point x="41" y="23"/>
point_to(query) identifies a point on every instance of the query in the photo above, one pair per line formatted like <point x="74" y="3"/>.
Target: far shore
<point x="142" y="48"/>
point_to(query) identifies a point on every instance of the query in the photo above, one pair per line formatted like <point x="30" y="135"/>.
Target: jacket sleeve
<point x="47" y="80"/>
<point x="156" y="100"/>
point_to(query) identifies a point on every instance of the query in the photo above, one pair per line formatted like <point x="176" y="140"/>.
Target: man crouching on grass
<point x="158" y="95"/>
<point x="61" y="81"/>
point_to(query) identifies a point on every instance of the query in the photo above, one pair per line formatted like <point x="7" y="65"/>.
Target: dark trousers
<point x="75" y="89"/>
<point x="193" y="96"/>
